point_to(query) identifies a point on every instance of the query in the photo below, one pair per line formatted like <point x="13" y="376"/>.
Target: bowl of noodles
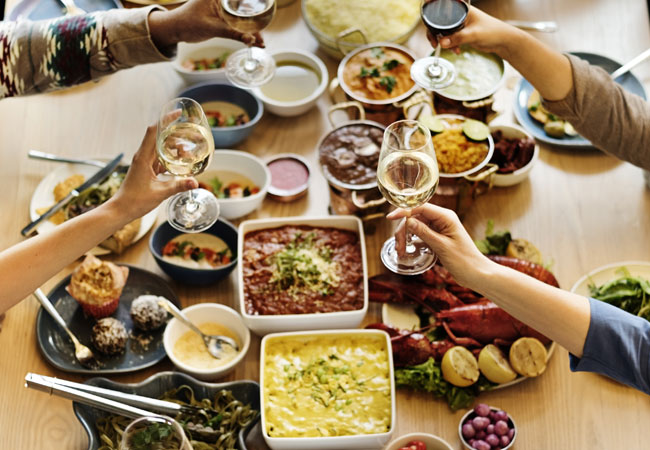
<point x="237" y="402"/>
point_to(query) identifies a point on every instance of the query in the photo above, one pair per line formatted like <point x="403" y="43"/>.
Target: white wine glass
<point x="154" y="433"/>
<point x="442" y="18"/>
<point x="407" y="176"/>
<point x="249" y="67"/>
<point x="185" y="147"/>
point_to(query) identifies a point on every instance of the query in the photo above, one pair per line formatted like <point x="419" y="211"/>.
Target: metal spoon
<point x="212" y="342"/>
<point x="83" y="354"/>
<point x="545" y="26"/>
<point x="625" y="68"/>
<point x="35" y="154"/>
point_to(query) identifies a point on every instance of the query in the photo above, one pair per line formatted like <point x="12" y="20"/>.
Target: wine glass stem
<point x="409" y="248"/>
<point x="192" y="205"/>
<point x="434" y="70"/>
<point x="250" y="65"/>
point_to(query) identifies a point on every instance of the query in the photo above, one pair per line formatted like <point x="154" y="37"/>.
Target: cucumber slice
<point x="432" y="123"/>
<point x="475" y="130"/>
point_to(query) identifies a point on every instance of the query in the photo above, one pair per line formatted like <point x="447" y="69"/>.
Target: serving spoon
<point x="630" y="64"/>
<point x="35" y="154"/>
<point x="84" y="355"/>
<point x="212" y="342"/>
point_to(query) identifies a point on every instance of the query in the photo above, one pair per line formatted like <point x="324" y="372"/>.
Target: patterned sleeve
<point x="52" y="54"/>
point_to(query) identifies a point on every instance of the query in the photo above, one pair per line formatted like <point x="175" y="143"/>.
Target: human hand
<point x="142" y="190"/>
<point x="441" y="230"/>
<point x="195" y="21"/>
<point x="481" y="31"/>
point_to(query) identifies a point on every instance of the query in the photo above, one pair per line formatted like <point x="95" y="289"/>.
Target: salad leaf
<point x="629" y="293"/>
<point x="495" y="242"/>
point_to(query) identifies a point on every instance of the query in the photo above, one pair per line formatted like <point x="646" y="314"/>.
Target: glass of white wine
<point x="154" y="433"/>
<point x="407" y="176"/>
<point x="252" y="66"/>
<point x="185" y="147"/>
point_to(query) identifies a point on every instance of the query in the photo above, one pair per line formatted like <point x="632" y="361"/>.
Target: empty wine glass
<point x="253" y="66"/>
<point x="185" y="147"/>
<point x="442" y="18"/>
<point x="154" y="433"/>
<point x="407" y="176"/>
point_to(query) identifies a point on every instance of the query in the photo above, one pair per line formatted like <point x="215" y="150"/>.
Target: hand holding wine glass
<point x="253" y="66"/>
<point x="185" y="147"/>
<point x="407" y="176"/>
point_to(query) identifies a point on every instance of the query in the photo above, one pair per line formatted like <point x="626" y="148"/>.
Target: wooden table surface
<point x="583" y="209"/>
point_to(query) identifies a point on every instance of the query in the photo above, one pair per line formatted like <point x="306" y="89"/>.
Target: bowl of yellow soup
<point x="478" y="74"/>
<point x="327" y="389"/>
<point x="187" y="350"/>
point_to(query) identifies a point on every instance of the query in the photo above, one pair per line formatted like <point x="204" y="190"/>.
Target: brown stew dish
<point x="298" y="269"/>
<point x="350" y="154"/>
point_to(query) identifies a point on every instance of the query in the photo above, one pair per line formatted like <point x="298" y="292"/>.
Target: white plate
<point x="44" y="197"/>
<point x="403" y="316"/>
<point x="608" y="273"/>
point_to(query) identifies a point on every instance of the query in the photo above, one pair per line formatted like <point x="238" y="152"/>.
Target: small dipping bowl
<point x="519" y="175"/>
<point x="471" y="414"/>
<point x="209" y="49"/>
<point x="431" y="441"/>
<point x="204" y="313"/>
<point x="290" y="175"/>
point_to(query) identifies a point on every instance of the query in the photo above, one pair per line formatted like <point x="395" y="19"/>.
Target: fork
<point x="71" y="9"/>
<point x="83" y="354"/>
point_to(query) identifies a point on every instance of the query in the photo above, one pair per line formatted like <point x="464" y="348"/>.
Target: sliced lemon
<point x="494" y="365"/>
<point x="522" y="249"/>
<point x="459" y="367"/>
<point x="528" y="357"/>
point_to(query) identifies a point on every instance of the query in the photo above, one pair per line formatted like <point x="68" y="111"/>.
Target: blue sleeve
<point x="617" y="345"/>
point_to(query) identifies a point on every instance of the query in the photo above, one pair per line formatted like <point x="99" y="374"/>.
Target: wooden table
<point x="581" y="208"/>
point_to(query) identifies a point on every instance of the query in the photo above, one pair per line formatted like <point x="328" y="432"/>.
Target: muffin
<point x="97" y="286"/>
<point x="109" y="336"/>
<point x="147" y="314"/>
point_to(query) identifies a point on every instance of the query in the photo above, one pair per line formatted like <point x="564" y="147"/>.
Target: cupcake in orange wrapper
<point x="97" y="286"/>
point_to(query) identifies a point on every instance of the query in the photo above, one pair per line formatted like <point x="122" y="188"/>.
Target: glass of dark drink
<point x="253" y="66"/>
<point x="442" y="18"/>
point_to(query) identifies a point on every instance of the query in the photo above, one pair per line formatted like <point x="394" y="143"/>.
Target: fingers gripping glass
<point x="442" y="18"/>
<point x="407" y="176"/>
<point x="185" y="147"/>
<point x="253" y="66"/>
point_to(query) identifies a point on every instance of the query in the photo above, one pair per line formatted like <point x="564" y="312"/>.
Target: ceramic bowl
<point x="247" y="165"/>
<point x="297" y="107"/>
<point x="264" y="324"/>
<point x="432" y="442"/>
<point x="212" y="48"/>
<point x="202" y="313"/>
<point x="187" y="275"/>
<point x="471" y="414"/>
<point x="225" y="137"/>
<point x="519" y="175"/>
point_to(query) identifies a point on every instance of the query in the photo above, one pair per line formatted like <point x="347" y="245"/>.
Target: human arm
<point x="27" y="265"/>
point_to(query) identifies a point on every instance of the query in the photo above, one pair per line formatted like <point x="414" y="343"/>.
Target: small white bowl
<point x="294" y="108"/>
<point x="432" y="442"/>
<point x="352" y="442"/>
<point x="519" y="175"/>
<point x="212" y="48"/>
<point x="201" y="313"/>
<point x="264" y="324"/>
<point x="245" y="164"/>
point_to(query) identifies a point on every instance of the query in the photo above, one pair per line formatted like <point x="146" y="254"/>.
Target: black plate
<point x="58" y="350"/>
<point x="245" y="391"/>
<point x="524" y="89"/>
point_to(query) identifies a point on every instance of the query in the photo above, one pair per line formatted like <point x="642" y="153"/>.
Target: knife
<point x="96" y="178"/>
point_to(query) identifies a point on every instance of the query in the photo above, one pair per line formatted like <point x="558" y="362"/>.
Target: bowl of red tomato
<point x="418" y="441"/>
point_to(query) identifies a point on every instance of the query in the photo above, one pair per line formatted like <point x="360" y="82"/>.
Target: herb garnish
<point x="155" y="433"/>
<point x="388" y="83"/>
<point x="377" y="52"/>
<point x="374" y="72"/>
<point x="390" y="65"/>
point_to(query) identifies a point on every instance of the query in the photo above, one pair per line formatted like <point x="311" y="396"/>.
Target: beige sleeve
<point x="613" y="119"/>
<point x="52" y="54"/>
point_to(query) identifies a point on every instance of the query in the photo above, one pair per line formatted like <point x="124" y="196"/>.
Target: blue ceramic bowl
<point x="227" y="137"/>
<point x="165" y="232"/>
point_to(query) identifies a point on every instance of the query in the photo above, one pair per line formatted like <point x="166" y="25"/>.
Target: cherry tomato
<point x="417" y="445"/>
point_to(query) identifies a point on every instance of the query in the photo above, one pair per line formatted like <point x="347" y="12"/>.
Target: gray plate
<point x="245" y="391"/>
<point x="57" y="348"/>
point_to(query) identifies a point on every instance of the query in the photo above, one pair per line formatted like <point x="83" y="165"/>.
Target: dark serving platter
<point x="58" y="350"/>
<point x="245" y="391"/>
<point x="629" y="82"/>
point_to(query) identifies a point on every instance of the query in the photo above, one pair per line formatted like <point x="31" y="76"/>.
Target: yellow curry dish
<point x="330" y="384"/>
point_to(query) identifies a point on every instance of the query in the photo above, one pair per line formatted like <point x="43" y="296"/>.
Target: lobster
<point x="468" y="318"/>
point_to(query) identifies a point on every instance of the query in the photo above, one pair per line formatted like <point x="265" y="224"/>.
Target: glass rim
<point x="388" y="131"/>
<point x="226" y="6"/>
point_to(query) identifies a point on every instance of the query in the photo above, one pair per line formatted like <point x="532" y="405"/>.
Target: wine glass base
<point x="418" y="260"/>
<point x="433" y="73"/>
<point x="193" y="216"/>
<point x="246" y="73"/>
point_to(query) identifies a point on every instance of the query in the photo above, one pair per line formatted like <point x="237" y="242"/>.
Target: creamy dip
<point x="326" y="386"/>
<point x="477" y="73"/>
<point x="197" y="251"/>
<point x="191" y="350"/>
